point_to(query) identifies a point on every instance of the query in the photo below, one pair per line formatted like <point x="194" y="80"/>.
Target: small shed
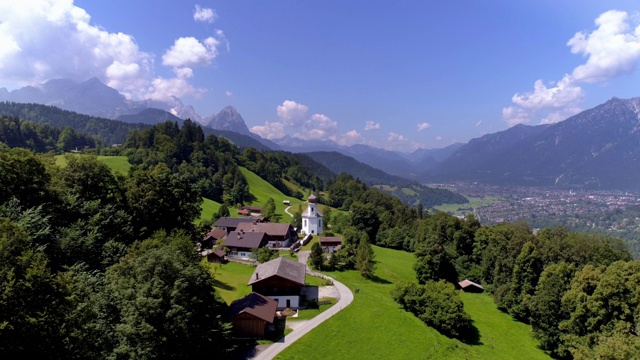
<point x="286" y="202"/>
<point x="250" y="315"/>
<point x="470" y="286"/>
<point x="244" y="212"/>
<point x="217" y="256"/>
<point x="330" y="244"/>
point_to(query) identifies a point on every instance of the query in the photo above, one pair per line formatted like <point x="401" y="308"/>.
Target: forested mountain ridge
<point x="595" y="149"/>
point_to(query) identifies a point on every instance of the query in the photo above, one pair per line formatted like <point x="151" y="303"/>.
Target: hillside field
<point x="374" y="326"/>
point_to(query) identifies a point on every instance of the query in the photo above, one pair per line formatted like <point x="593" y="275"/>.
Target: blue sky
<point x="393" y="74"/>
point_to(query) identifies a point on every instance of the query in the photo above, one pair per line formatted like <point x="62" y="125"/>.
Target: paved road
<point x="287" y="211"/>
<point x="346" y="297"/>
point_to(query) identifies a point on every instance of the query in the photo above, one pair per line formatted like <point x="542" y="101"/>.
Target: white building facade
<point x="312" y="218"/>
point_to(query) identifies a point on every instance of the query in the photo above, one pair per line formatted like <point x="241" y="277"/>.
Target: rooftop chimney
<point x="257" y="277"/>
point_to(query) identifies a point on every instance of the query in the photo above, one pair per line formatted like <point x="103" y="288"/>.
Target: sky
<point x="399" y="75"/>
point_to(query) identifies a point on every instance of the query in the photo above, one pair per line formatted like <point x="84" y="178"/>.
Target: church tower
<point x="311" y="218"/>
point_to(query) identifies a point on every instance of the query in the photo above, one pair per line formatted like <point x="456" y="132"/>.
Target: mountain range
<point x="598" y="148"/>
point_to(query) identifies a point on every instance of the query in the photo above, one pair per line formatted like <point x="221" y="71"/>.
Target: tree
<point x="269" y="210"/>
<point x="265" y="254"/>
<point x="365" y="256"/>
<point x="316" y="256"/>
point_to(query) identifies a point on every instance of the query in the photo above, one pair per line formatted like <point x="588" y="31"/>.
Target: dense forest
<point x="98" y="265"/>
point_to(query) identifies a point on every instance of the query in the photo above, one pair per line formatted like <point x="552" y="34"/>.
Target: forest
<point x="100" y="265"/>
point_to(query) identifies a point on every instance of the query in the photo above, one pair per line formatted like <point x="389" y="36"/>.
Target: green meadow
<point x="374" y="326"/>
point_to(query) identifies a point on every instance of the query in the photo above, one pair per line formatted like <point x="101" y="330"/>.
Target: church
<point x="312" y="218"/>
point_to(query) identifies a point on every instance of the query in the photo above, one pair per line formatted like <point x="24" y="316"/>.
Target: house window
<point x="305" y="222"/>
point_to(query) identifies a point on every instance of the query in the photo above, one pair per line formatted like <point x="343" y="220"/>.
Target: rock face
<point x="598" y="148"/>
<point x="228" y="119"/>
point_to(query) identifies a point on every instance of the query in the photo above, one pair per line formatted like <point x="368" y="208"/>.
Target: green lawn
<point x="463" y="209"/>
<point x="231" y="279"/>
<point x="308" y="314"/>
<point x="118" y="164"/>
<point x="374" y="326"/>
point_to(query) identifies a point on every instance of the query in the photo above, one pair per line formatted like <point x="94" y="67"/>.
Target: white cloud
<point x="612" y="49"/>
<point x="371" y="125"/>
<point x="311" y="134"/>
<point x="322" y="122"/>
<point x="479" y="123"/>
<point x="270" y="130"/>
<point x="438" y="138"/>
<point x="229" y="93"/>
<point x="396" y="138"/>
<point x="349" y="138"/>
<point x="50" y="39"/>
<point x="423" y="126"/>
<point x="292" y="113"/>
<point x="204" y="14"/>
<point x="188" y="51"/>
<point x="42" y="40"/>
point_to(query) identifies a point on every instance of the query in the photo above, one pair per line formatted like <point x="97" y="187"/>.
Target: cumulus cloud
<point x="438" y="138"/>
<point x="423" y="126"/>
<point x="322" y="122"/>
<point x="50" y="39"/>
<point x="292" y="113"/>
<point x="270" y="130"/>
<point x="204" y="14"/>
<point x="229" y="93"/>
<point x="188" y="51"/>
<point x="371" y="125"/>
<point x="612" y="49"/>
<point x="349" y="138"/>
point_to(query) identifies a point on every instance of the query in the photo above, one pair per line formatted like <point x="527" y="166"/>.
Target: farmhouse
<point x="241" y="244"/>
<point x="280" y="279"/>
<point x="311" y="218"/>
<point x="279" y="235"/>
<point x="212" y="238"/>
<point x="250" y="315"/>
<point x="253" y="209"/>
<point x="330" y="244"/>
<point x="470" y="286"/>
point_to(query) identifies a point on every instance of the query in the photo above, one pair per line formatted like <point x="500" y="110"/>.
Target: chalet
<point x="253" y="209"/>
<point x="212" y="238"/>
<point x="280" y="279"/>
<point x="279" y="235"/>
<point x="215" y="256"/>
<point x="470" y="286"/>
<point x="241" y="244"/>
<point x="311" y="218"/>
<point x="330" y="244"/>
<point x="251" y="315"/>
<point x="231" y="224"/>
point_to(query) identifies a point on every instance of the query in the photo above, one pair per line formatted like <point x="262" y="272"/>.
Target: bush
<point x="437" y="304"/>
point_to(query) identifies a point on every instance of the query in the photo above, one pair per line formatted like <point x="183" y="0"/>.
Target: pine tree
<point x="317" y="258"/>
<point x="365" y="258"/>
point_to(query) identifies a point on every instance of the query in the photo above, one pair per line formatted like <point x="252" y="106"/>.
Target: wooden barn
<point x="251" y="315"/>
<point x="470" y="286"/>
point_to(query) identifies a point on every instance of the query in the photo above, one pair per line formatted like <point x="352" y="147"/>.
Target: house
<point x="212" y="237"/>
<point x="215" y="256"/>
<point x="253" y="209"/>
<point x="330" y="244"/>
<point x="231" y="224"/>
<point x="470" y="286"/>
<point x="279" y="235"/>
<point x="243" y="212"/>
<point x="251" y="315"/>
<point x="280" y="279"/>
<point x="311" y="218"/>
<point x="286" y="202"/>
<point x="241" y="244"/>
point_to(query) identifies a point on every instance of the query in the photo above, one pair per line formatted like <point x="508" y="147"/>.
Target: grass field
<point x="374" y="326"/>
<point x="463" y="209"/>
<point x="262" y="190"/>
<point x="118" y="164"/>
<point x="231" y="279"/>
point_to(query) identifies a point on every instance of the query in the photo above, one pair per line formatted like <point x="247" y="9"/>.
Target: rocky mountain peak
<point x="228" y="119"/>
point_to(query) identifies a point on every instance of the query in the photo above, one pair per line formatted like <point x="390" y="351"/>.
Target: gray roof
<point x="272" y="229"/>
<point x="233" y="222"/>
<point x="330" y="240"/>
<point x="282" y="267"/>
<point x="248" y="240"/>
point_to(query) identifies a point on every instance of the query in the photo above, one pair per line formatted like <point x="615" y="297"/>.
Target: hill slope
<point x="374" y="326"/>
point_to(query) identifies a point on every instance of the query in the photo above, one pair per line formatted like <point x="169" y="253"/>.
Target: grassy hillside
<point x="119" y="164"/>
<point x="262" y="191"/>
<point x="374" y="326"/>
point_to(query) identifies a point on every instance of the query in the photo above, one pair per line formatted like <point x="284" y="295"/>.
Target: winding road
<point x="346" y="297"/>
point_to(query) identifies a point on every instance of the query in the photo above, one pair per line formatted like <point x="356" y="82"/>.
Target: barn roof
<point x="272" y="229"/>
<point x="216" y="233"/>
<point x="330" y="240"/>
<point x="282" y="267"/>
<point x="232" y="222"/>
<point x="255" y="304"/>
<point x="466" y="283"/>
